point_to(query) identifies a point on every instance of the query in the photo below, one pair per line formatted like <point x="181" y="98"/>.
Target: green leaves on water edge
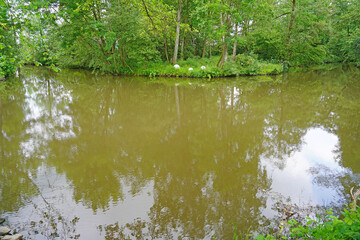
<point x="328" y="226"/>
<point x="245" y="64"/>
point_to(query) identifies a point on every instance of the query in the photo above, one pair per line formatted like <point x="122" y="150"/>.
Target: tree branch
<point x="282" y="15"/>
<point x="148" y="14"/>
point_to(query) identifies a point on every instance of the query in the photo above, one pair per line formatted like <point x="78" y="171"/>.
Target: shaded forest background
<point x="130" y="36"/>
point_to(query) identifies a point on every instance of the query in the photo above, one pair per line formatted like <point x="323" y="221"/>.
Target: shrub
<point x="7" y="66"/>
<point x="206" y="67"/>
<point x="213" y="71"/>
<point x="329" y="226"/>
<point x="231" y="69"/>
<point x="355" y="46"/>
<point x="244" y="60"/>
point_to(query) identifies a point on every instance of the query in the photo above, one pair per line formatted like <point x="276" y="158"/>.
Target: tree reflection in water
<point x="205" y="154"/>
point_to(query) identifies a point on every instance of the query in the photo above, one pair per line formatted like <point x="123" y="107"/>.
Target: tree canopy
<point x="123" y="36"/>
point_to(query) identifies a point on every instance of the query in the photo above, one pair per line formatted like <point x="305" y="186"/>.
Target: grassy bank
<point x="247" y="65"/>
<point x="243" y="65"/>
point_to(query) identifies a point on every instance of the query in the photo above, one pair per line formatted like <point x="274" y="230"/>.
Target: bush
<point x="248" y="64"/>
<point x="7" y="66"/>
<point x="231" y="69"/>
<point x="355" y="46"/>
<point x="345" y="48"/>
<point x="329" y="226"/>
<point x="324" y="227"/>
<point x="244" y="60"/>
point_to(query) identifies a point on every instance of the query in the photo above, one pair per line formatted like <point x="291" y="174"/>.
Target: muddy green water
<point x="94" y="157"/>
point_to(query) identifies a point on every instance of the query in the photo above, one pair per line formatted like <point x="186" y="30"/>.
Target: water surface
<point x="92" y="157"/>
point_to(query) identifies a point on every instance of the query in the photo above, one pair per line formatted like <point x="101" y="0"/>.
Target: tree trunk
<point x="291" y="26"/>
<point x="223" y="56"/>
<point x="182" y="48"/>
<point x="166" y="50"/>
<point x="245" y="33"/>
<point x="148" y="14"/>
<point x="210" y="50"/>
<point x="122" y="57"/>
<point x="204" y="49"/>
<point x="176" y="48"/>
<point x="235" y="42"/>
<point x="225" y="49"/>
<point x="11" y="19"/>
<point x="113" y="54"/>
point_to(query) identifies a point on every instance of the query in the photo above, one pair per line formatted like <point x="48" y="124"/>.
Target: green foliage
<point x="345" y="48"/>
<point x="329" y="226"/>
<point x="244" y="65"/>
<point x="231" y="68"/>
<point x="262" y="237"/>
<point x="8" y="65"/>
<point x="266" y="43"/>
<point x="308" y="55"/>
<point x="244" y="60"/>
<point x="8" y="46"/>
<point x="354" y="42"/>
<point x="326" y="226"/>
<point x="118" y="36"/>
<point x="343" y="44"/>
<point x="9" y="86"/>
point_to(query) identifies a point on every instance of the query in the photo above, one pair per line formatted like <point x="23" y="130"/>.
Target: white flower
<point x="190" y="69"/>
<point x="203" y="67"/>
<point x="176" y="66"/>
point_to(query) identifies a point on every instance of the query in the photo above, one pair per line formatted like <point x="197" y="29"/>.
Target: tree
<point x="9" y="52"/>
<point x="178" y="19"/>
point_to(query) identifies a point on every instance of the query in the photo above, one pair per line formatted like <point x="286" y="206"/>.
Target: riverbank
<point x="325" y="226"/>
<point x="317" y="223"/>
<point x="243" y="65"/>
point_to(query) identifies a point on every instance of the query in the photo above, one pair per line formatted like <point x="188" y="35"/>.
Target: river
<point x="90" y="156"/>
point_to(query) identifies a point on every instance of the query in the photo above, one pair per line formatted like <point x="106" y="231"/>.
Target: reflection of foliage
<point x="287" y="211"/>
<point x="326" y="177"/>
<point x="52" y="225"/>
<point x="348" y="115"/>
<point x="201" y="146"/>
<point x="130" y="230"/>
<point x="14" y="187"/>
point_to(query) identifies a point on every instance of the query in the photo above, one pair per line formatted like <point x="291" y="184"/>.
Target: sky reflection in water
<point x="119" y="157"/>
